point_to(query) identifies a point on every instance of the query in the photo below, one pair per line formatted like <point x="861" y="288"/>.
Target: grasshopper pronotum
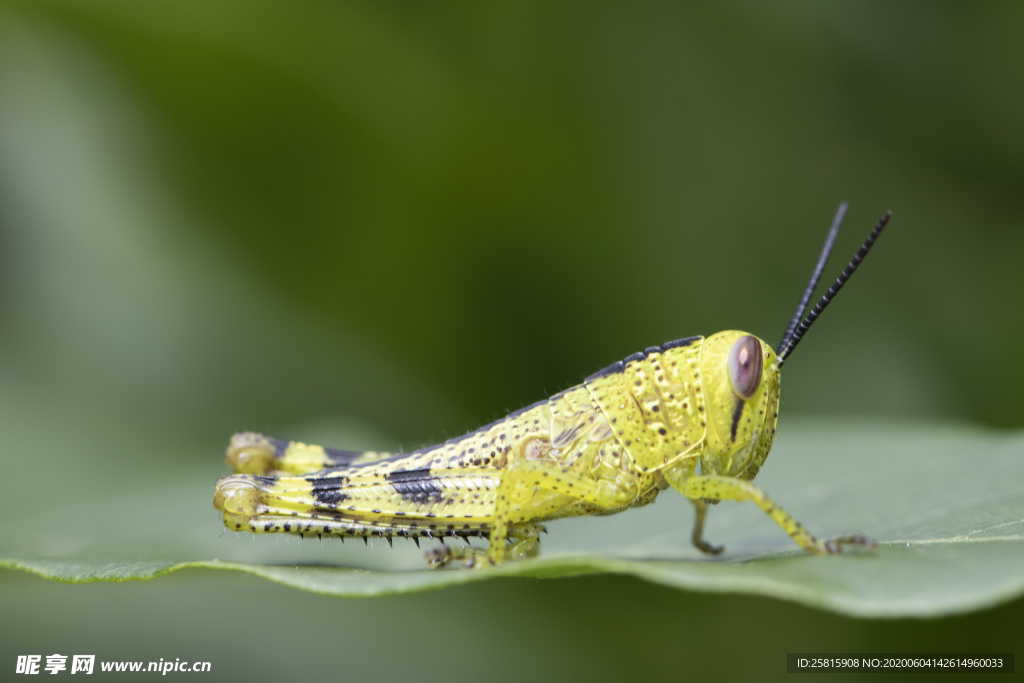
<point x="695" y="414"/>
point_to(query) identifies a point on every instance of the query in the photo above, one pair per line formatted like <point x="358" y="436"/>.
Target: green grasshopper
<point x="696" y="414"/>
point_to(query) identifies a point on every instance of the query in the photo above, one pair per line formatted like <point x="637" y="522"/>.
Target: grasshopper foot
<point x="445" y="555"/>
<point x="708" y="548"/>
<point x="834" y="546"/>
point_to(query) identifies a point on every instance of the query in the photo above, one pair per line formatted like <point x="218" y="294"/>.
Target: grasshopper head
<point x="741" y="390"/>
<point x="741" y="373"/>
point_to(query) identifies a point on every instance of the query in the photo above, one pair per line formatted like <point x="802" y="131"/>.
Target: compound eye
<point x="745" y="362"/>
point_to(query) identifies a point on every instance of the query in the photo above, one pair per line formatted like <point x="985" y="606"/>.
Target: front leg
<point x="700" y="507"/>
<point x="716" y="487"/>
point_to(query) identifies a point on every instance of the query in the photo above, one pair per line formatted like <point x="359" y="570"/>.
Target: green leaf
<point x="944" y="502"/>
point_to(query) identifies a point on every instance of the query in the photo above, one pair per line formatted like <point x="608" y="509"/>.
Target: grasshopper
<point x="697" y="414"/>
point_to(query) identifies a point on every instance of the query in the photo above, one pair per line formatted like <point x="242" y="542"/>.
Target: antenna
<point x="801" y="329"/>
<point x="812" y="284"/>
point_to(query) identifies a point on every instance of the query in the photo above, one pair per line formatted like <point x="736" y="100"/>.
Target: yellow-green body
<point x="666" y="417"/>
<point x="695" y="414"/>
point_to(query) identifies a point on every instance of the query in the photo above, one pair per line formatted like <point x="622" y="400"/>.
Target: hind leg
<point x="252" y="453"/>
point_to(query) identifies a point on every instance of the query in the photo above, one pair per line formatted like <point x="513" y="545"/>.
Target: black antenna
<point x="827" y="297"/>
<point x="812" y="284"/>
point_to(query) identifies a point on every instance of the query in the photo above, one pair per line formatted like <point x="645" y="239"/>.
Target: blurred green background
<point x="398" y="221"/>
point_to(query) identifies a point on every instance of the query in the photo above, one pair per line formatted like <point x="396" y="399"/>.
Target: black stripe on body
<point x="327" y="491"/>
<point x="676" y="343"/>
<point x="736" y="413"/>
<point x="617" y="366"/>
<point x="620" y="365"/>
<point x="417" y="486"/>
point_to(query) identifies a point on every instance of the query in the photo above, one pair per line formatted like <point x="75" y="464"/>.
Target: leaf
<point x="944" y="502"/>
<point x="105" y="396"/>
